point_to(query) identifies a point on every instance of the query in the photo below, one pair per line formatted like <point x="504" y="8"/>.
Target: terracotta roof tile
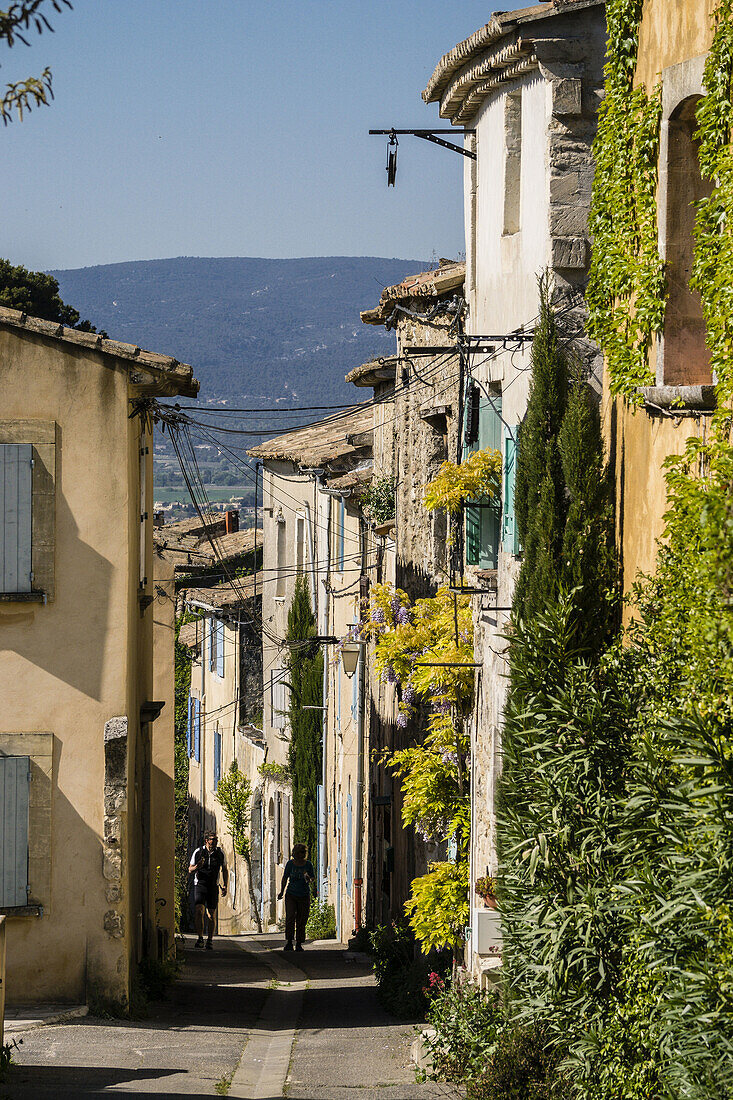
<point x="323" y="444"/>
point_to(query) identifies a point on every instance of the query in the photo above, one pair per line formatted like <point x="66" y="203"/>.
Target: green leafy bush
<point x="378" y="502"/>
<point x="156" y="976"/>
<point x="321" y="921"/>
<point x="467" y="1024"/>
<point x="402" y="973"/>
<point x="234" y="793"/>
<point x="523" y="1066"/>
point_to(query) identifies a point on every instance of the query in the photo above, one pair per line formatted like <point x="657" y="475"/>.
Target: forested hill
<point x="254" y="330"/>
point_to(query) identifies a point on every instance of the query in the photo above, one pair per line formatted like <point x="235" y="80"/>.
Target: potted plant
<point x="486" y="888"/>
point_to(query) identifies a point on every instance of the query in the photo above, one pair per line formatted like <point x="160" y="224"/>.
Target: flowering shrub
<point x="455" y="483"/>
<point x="467" y="1023"/>
<point x="426" y="648"/>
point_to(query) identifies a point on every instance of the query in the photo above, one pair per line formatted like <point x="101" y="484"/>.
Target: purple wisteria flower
<point x="401" y="721"/>
<point x="442" y="706"/>
<point x="450" y="758"/>
<point x="390" y="675"/>
<point x="403" y="616"/>
<point x="395" y="603"/>
<point x="378" y="615"/>
<point x="409" y="695"/>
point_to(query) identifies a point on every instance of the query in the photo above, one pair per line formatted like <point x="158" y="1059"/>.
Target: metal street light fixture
<point x="350" y="651"/>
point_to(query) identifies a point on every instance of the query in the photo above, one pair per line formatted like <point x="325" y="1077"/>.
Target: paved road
<point x="245" y="1016"/>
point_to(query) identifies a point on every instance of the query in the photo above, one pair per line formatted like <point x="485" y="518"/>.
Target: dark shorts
<point x="206" y="893"/>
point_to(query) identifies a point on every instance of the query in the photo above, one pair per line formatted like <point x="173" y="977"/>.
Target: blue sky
<point x="231" y="128"/>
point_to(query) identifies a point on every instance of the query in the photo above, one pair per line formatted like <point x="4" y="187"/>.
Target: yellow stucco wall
<point x="672" y="31"/>
<point x="71" y="665"/>
<point x="640" y="445"/>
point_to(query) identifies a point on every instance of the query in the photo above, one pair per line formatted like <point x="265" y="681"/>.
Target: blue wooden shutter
<point x="220" y="649"/>
<point x="197" y="731"/>
<point x="509" y="532"/>
<point x="217" y="757"/>
<point x="349" y="846"/>
<point x="212" y="644"/>
<point x="189" y="727"/>
<point x="483" y="518"/>
<point x="14" y="800"/>
<point x="15" y="517"/>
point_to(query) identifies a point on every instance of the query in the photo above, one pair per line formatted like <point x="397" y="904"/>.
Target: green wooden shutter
<point x="16" y="463"/>
<point x="14" y="801"/>
<point x="509" y="526"/>
<point x="483" y="520"/>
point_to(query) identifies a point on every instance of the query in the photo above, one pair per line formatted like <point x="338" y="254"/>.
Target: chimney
<point x="232" y="521"/>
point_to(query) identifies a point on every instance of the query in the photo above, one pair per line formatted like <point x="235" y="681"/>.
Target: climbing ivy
<point x="626" y="291"/>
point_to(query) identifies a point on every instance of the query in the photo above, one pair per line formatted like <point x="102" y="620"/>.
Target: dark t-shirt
<point x="297" y="887"/>
<point x="214" y="861"/>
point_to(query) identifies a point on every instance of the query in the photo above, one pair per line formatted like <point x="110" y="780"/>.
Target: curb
<point x="15" y="1027"/>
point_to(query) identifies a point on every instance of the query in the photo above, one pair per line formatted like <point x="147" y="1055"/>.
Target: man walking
<point x="206" y="863"/>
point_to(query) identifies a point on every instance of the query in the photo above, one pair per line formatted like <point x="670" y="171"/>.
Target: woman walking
<point x="296" y="886"/>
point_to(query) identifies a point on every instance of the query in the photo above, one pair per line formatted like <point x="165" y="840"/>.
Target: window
<point x="686" y="357"/>
<point x="195" y="739"/>
<point x="15" y="801"/>
<point x="27" y="509"/>
<point x="483" y="517"/>
<point x="278" y="698"/>
<point x="349" y="846"/>
<point x="510" y="539"/>
<point x="189" y="726"/>
<point x="281" y="562"/>
<point x="216" y="646"/>
<point x="512" y="162"/>
<point x="217" y="757"/>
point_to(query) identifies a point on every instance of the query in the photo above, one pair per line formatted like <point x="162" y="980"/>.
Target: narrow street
<point x="245" y="1021"/>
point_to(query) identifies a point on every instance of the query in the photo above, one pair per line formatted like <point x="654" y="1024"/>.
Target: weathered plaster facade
<point x="78" y="674"/>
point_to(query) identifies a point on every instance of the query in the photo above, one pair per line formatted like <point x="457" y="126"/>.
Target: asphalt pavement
<point x="245" y="1020"/>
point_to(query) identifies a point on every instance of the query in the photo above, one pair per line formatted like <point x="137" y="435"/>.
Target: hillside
<point x="259" y="333"/>
<point x="255" y="330"/>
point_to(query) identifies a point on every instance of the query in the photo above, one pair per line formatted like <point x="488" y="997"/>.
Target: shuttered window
<point x="220" y="648"/>
<point x="197" y="730"/>
<point x="341" y="534"/>
<point x="484" y="516"/>
<point x="349" y="846"/>
<point x="278" y="698"/>
<point x="509" y="523"/>
<point x="16" y="466"/>
<point x="189" y="726"/>
<point x="14" y="801"/>
<point x="217" y="758"/>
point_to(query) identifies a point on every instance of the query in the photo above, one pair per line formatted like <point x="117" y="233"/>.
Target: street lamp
<point x="350" y="651"/>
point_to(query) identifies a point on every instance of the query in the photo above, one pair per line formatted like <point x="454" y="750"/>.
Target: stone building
<point x="527" y="87"/>
<point x="417" y="408"/>
<point x="86" y="615"/>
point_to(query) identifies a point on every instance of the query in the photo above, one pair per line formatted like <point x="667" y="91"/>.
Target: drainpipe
<point x="358" y="855"/>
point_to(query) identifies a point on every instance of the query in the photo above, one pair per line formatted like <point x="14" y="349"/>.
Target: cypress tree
<point x="540" y="503"/>
<point x="305" y="667"/>
<point x="564" y="497"/>
<point x="589" y="559"/>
